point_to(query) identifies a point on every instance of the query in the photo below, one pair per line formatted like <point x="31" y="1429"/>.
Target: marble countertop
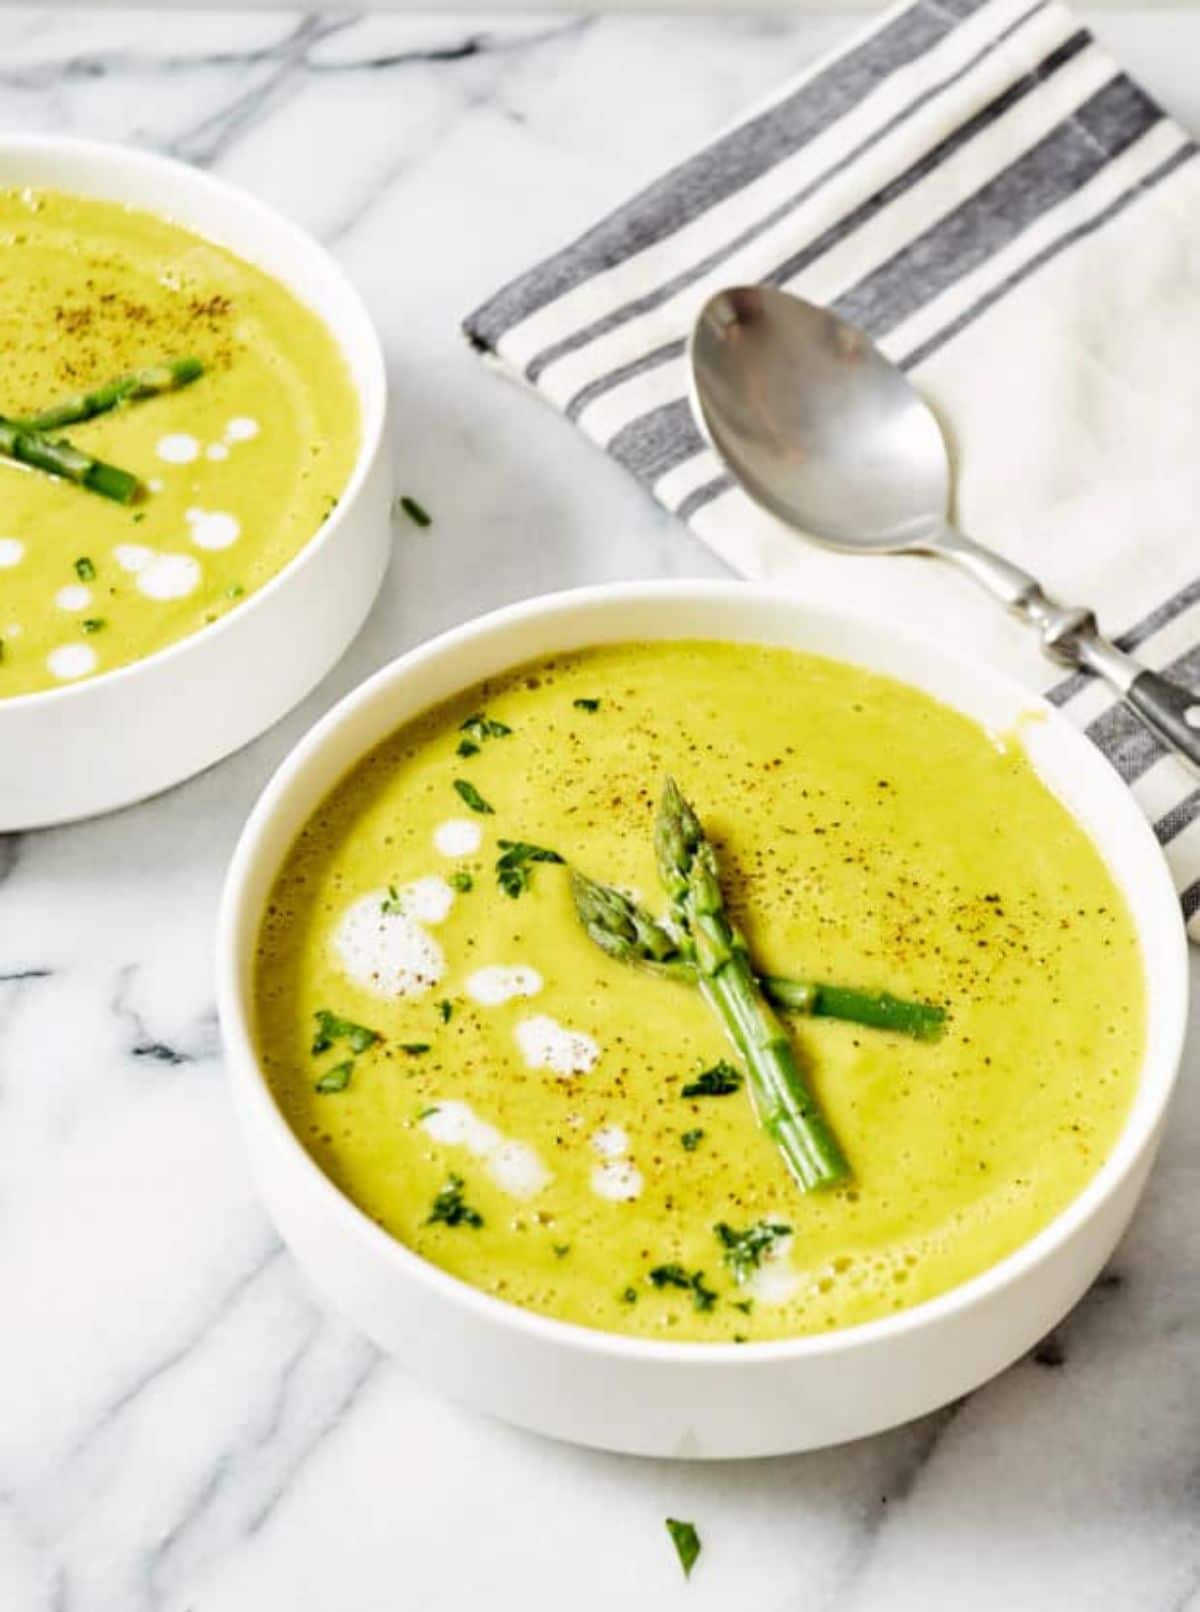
<point x="182" y="1427"/>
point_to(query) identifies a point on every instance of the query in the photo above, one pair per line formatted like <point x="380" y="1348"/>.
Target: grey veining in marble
<point x="182" y="1427"/>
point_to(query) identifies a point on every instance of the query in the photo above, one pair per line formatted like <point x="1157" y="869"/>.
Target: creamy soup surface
<point x="240" y="468"/>
<point x="534" y="1087"/>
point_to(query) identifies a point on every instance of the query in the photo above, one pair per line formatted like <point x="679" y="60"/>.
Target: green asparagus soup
<point x="558" y="1114"/>
<point x="213" y="476"/>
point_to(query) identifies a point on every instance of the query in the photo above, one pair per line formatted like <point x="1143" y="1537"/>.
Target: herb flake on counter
<point x="427" y="1112"/>
<point x="462" y="882"/>
<point x="691" y="1139"/>
<point x="445" y="1009"/>
<point x="416" y="513"/>
<point x="586" y="705"/>
<point x="471" y="797"/>
<point x="450" y="1209"/>
<point x="703" y="1297"/>
<point x="743" y="1251"/>
<point x="392" y="906"/>
<point x="336" y="1079"/>
<point x="467" y="747"/>
<point x="561" y="1249"/>
<point x="414" y="1048"/>
<point x="84" y="569"/>
<point x="722" y="1080"/>
<point x="332" y="1028"/>
<point x="686" y="1541"/>
<point x="94" y="624"/>
<point x="629" y="1296"/>
<point x="513" y="866"/>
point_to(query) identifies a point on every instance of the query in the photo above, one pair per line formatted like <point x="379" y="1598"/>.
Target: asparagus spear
<point x="629" y="934"/>
<point x="168" y="376"/>
<point x="61" y="458"/>
<point x="924" y="1021"/>
<point x="786" y="1108"/>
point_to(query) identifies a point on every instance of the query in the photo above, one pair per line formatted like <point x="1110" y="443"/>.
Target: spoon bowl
<point x="817" y="424"/>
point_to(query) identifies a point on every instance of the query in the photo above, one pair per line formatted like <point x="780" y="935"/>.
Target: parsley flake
<point x="743" y="1251"/>
<point x="337" y="1078"/>
<point x="415" y="512"/>
<point x="719" y="1081"/>
<point x="686" y="1541"/>
<point x="472" y="798"/>
<point x="513" y="866"/>
<point x="331" y="1028"/>
<point x="703" y="1297"/>
<point x="449" y="1208"/>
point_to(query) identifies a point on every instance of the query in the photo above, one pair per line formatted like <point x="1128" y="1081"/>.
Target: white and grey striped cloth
<point x="1018" y="224"/>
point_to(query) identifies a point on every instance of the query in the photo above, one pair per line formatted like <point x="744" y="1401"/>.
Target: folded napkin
<point x="1016" y="223"/>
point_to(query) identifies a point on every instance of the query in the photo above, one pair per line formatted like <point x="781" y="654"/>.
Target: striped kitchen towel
<point x="1017" y="224"/>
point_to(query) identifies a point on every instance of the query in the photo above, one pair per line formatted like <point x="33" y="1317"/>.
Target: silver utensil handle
<point x="1070" y="636"/>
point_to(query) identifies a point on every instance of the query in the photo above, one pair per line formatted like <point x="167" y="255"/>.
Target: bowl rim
<point x="1167" y="998"/>
<point x="370" y="389"/>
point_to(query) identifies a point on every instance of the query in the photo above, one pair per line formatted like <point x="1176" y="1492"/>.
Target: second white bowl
<point x="129" y="733"/>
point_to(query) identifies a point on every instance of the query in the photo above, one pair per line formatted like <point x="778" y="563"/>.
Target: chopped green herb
<point x="234" y="590"/>
<point x="479" y="726"/>
<point x="513" y="865"/>
<point x="586" y="705"/>
<point x="445" y="1009"/>
<point x="414" y="1048"/>
<point x="461" y="881"/>
<point x="687" y="1543"/>
<point x="561" y="1249"/>
<point x="630" y="1295"/>
<point x="691" y="1139"/>
<point x="331" y="1028"/>
<point x="449" y="1209"/>
<point x="467" y="747"/>
<point x="744" y="1250"/>
<point x="337" y="1078"/>
<point x="675" y="1276"/>
<point x="424" y="1113"/>
<point x="84" y="569"/>
<point x="392" y="904"/>
<point x="139" y="517"/>
<point x="744" y="1305"/>
<point x="414" y="511"/>
<point x="719" y="1081"/>
<point x="471" y="796"/>
<point x="94" y="624"/>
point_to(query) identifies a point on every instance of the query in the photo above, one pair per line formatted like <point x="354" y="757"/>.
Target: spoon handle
<point x="1071" y="636"/>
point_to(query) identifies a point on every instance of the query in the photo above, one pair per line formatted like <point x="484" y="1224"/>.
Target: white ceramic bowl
<point x="126" y="734"/>
<point x="694" y="1399"/>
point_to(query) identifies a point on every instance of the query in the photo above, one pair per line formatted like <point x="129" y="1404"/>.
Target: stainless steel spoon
<point x="823" y="431"/>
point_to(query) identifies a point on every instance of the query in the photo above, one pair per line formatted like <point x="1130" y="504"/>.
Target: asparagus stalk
<point x="924" y="1021"/>
<point x="61" y="458"/>
<point x="168" y="376"/>
<point x="786" y="1108"/>
<point x="629" y="934"/>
